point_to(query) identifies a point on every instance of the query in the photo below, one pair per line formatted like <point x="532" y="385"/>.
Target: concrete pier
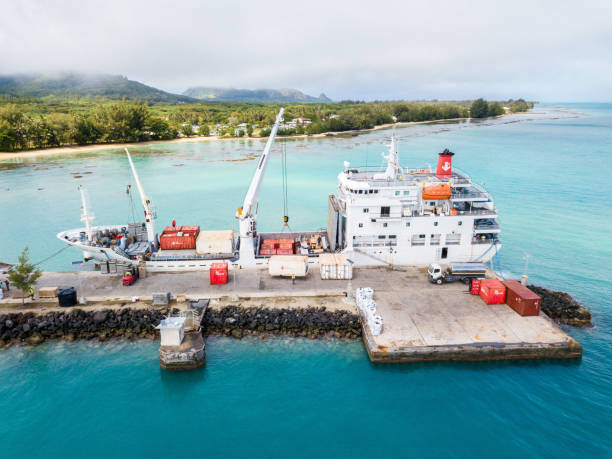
<point x="189" y="355"/>
<point x="421" y="321"/>
<point x="426" y="322"/>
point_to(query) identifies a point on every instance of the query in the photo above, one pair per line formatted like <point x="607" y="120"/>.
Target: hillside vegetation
<point x="114" y="87"/>
<point x="28" y="122"/>
<point x="247" y="95"/>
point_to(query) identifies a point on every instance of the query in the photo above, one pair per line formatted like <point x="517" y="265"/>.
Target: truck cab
<point x="435" y="273"/>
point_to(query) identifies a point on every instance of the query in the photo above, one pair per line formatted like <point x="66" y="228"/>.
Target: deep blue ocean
<point x="549" y="172"/>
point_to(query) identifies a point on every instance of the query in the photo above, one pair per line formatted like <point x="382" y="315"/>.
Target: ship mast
<point x="146" y="203"/>
<point x="86" y="216"/>
<point x="247" y="214"/>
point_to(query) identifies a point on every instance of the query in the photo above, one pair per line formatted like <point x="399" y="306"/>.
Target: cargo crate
<point x="521" y="299"/>
<point x="218" y="273"/>
<point x="492" y="291"/>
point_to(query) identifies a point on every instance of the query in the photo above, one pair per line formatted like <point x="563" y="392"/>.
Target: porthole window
<point x="361" y="225"/>
<point x="397" y="193"/>
<point x="384" y="225"/>
<point x="460" y="223"/>
<point x="366" y="210"/>
<point x="407" y="224"/>
<point x="435" y="223"/>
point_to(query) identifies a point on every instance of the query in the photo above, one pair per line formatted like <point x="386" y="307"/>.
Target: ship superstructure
<point x="401" y="216"/>
<point x="390" y="216"/>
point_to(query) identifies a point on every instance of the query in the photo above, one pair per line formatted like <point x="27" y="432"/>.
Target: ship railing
<point x="485" y="239"/>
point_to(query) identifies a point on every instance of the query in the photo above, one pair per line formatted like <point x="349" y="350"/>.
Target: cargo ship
<point x="385" y="216"/>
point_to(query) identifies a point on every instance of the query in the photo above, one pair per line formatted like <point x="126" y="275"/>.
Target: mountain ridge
<point x="212" y="93"/>
<point x="72" y="84"/>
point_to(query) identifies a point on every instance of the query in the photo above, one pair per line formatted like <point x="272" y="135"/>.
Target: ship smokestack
<point x="445" y="164"/>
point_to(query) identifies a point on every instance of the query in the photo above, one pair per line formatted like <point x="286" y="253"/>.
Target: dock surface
<point x="421" y="321"/>
<point x="424" y="321"/>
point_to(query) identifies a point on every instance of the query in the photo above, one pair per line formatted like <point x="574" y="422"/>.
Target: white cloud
<point x="548" y="50"/>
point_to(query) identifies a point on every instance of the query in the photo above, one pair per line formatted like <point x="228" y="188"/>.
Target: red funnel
<point x="445" y="164"/>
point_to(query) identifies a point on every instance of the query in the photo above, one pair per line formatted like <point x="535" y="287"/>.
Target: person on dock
<point x="31" y="293"/>
<point x="7" y="284"/>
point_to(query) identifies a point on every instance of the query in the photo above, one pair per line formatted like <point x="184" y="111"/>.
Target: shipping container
<point x="476" y="286"/>
<point x="521" y="299"/>
<point x="288" y="265"/>
<point x="282" y="251"/>
<point x="218" y="273"/>
<point x="215" y="242"/>
<point x="193" y="230"/>
<point x="335" y="266"/>
<point x="267" y="251"/>
<point x="176" y="242"/>
<point x="171" y="229"/>
<point x="492" y="291"/>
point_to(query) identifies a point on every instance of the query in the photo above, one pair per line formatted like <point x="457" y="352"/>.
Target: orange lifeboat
<point x="434" y="192"/>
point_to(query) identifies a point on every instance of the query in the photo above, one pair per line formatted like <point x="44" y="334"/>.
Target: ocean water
<point x="549" y="172"/>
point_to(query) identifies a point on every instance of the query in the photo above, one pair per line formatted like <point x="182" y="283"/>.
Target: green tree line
<point x="118" y="122"/>
<point x="27" y="123"/>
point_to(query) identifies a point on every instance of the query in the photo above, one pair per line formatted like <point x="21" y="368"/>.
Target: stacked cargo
<point x="521" y="299"/>
<point x="283" y="246"/>
<point x="215" y="242"/>
<point x="179" y="237"/>
<point x="335" y="266"/>
<point x="492" y="291"/>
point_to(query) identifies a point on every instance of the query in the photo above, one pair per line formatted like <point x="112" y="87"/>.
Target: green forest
<point x="33" y="123"/>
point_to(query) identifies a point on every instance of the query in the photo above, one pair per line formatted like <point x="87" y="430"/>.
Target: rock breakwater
<point x="32" y="328"/>
<point x="309" y="322"/>
<point x="562" y="308"/>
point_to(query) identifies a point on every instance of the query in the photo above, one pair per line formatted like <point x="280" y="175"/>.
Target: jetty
<point x="420" y="321"/>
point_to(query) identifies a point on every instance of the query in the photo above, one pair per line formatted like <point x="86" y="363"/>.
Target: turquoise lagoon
<point x="549" y="172"/>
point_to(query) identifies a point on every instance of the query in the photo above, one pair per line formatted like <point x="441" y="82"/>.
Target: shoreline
<point x="76" y="149"/>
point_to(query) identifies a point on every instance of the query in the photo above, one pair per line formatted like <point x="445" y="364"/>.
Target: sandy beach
<point x="75" y="149"/>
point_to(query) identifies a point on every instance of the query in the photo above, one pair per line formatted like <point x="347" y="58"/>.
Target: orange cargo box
<point x="492" y="291"/>
<point x="175" y="242"/>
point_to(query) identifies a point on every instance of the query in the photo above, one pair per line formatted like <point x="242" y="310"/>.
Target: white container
<point x="214" y="242"/>
<point x="335" y="266"/>
<point x="172" y="331"/>
<point x="288" y="265"/>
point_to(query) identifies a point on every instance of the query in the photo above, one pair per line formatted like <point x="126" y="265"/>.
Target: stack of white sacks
<point x="365" y="302"/>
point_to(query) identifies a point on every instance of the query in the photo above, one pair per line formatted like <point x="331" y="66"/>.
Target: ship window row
<point x="406" y="193"/>
<point x="375" y="241"/>
<point x="362" y="191"/>
<point x="435" y="239"/>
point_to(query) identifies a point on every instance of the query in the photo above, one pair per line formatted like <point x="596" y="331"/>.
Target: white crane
<point x="146" y="203"/>
<point x="86" y="215"/>
<point x="247" y="214"/>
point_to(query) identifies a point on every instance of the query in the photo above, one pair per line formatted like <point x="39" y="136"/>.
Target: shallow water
<point x="549" y="174"/>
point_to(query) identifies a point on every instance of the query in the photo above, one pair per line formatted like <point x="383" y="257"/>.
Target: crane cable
<point x="285" y="186"/>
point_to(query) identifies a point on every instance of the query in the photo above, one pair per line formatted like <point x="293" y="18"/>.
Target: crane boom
<point x="247" y="213"/>
<point x="146" y="203"/>
<point x="252" y="196"/>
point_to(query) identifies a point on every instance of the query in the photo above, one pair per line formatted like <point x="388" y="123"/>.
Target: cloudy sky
<point x="542" y="50"/>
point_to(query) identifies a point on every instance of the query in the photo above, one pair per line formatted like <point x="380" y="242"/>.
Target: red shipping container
<point x="267" y="251"/>
<point x="492" y="291"/>
<point x="270" y="241"/>
<point x="285" y="241"/>
<point x="475" y="286"/>
<point x="284" y="251"/>
<point x="171" y="229"/>
<point x="175" y="242"/>
<point x="218" y="273"/>
<point x="521" y="299"/>
<point x="192" y="230"/>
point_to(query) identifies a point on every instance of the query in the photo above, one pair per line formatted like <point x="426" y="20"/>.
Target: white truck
<point x="464" y="272"/>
